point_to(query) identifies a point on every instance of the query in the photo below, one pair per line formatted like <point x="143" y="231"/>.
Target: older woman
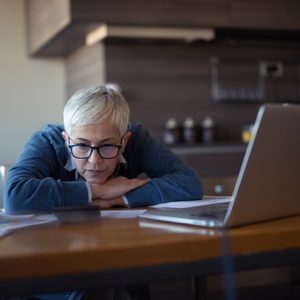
<point x="96" y="158"/>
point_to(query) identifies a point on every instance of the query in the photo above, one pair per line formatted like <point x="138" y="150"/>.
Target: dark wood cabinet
<point x="58" y="27"/>
<point x="217" y="164"/>
<point x="210" y="160"/>
<point x="270" y="14"/>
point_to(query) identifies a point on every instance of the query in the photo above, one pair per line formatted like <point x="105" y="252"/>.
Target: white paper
<point x="4" y="231"/>
<point x="207" y="200"/>
<point x="8" y="223"/>
<point x="122" y="214"/>
<point x="116" y="214"/>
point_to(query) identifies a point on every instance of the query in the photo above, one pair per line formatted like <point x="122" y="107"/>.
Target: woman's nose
<point x="95" y="157"/>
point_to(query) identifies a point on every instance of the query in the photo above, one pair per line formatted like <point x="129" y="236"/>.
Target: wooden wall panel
<point x="271" y="14"/>
<point x="154" y="12"/>
<point x="161" y="80"/>
<point x="84" y="68"/>
<point x="215" y="168"/>
<point x="58" y="27"/>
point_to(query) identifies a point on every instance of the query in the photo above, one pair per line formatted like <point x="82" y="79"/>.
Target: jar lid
<point x="189" y="122"/>
<point x="208" y="122"/>
<point x="171" y="123"/>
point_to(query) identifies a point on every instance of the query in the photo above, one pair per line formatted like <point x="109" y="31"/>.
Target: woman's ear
<point x="125" y="139"/>
<point x="65" y="136"/>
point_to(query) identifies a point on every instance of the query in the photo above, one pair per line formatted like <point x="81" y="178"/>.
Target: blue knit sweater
<point x="39" y="180"/>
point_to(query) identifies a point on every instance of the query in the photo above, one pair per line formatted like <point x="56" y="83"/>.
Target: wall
<point x="85" y="67"/>
<point x="164" y="79"/>
<point x="32" y="91"/>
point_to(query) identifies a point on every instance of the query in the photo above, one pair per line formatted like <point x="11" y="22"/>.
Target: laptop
<point x="268" y="183"/>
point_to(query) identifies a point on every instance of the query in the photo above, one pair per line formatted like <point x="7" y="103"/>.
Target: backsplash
<point x="164" y="79"/>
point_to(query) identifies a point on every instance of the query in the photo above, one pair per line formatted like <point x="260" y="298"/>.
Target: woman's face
<point x="96" y="169"/>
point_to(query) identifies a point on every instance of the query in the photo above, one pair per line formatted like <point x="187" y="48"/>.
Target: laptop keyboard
<point x="215" y="211"/>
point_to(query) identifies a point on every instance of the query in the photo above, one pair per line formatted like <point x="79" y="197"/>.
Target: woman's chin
<point x="95" y="180"/>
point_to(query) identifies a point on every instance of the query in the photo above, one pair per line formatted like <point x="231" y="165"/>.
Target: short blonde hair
<point x="95" y="105"/>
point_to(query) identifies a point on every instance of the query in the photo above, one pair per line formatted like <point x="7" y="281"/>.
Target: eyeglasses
<point x="106" y="151"/>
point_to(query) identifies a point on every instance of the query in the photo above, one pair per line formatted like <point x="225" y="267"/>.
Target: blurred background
<point x="193" y="71"/>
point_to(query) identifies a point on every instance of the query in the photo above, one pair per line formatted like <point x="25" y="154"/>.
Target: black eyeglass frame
<point x="92" y="148"/>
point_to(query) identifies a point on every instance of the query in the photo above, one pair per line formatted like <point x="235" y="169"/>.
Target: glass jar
<point x="190" y="132"/>
<point x="208" y="130"/>
<point x="172" y="132"/>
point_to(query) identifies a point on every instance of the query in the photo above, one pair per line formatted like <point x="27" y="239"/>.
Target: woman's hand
<point x="109" y="203"/>
<point x="115" y="188"/>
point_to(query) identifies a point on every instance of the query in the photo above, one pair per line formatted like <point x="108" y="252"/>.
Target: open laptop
<point x="268" y="184"/>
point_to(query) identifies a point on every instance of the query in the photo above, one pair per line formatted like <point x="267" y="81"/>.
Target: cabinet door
<point x="154" y="12"/>
<point x="269" y="15"/>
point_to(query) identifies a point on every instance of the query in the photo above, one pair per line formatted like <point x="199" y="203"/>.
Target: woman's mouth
<point x="94" y="173"/>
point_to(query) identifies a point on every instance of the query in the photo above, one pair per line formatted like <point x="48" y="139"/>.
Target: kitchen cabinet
<point x="58" y="27"/>
<point x="270" y="15"/>
<point x="217" y="164"/>
<point x="223" y="159"/>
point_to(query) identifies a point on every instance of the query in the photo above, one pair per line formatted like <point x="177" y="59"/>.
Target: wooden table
<point x="53" y="257"/>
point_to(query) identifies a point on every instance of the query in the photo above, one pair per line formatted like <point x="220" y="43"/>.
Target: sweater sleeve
<point x="38" y="181"/>
<point x="171" y="179"/>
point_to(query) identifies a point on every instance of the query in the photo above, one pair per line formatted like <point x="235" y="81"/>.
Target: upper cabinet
<point x="46" y="21"/>
<point x="57" y="27"/>
<point x="269" y="15"/>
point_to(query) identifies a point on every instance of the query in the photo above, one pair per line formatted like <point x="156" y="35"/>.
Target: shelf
<point x="202" y="149"/>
